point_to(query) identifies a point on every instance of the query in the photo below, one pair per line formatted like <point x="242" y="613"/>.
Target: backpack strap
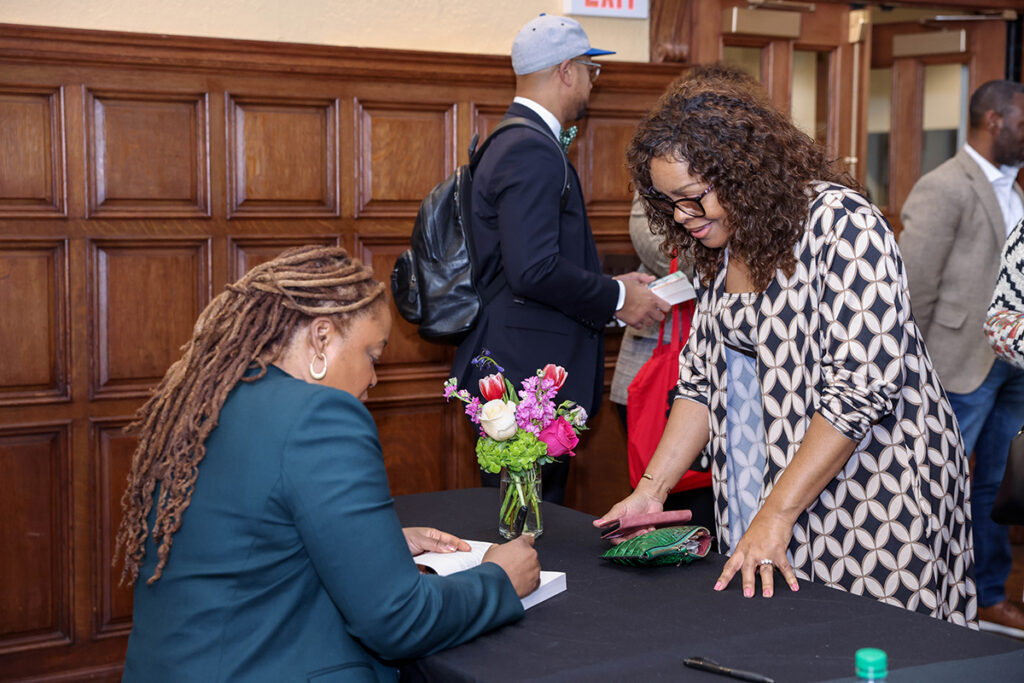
<point x="520" y="121"/>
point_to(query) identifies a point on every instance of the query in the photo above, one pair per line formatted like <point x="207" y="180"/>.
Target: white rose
<point x="499" y="419"/>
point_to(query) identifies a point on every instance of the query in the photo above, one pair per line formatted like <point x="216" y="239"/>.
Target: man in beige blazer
<point x="955" y="223"/>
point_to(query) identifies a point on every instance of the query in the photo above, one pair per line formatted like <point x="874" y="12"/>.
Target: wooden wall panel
<point x="141" y="174"/>
<point x="416" y="453"/>
<point x="147" y="155"/>
<point x="601" y="161"/>
<point x="147" y="295"/>
<point x="112" y="455"/>
<point x="247" y="252"/>
<point x="484" y="118"/>
<point x="35" y="566"/>
<point x="282" y="157"/>
<point x="32" y="182"/>
<point x="391" y="136"/>
<point x="33" y="322"/>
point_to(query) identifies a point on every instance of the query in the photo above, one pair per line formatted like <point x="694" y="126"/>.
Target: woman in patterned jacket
<point x="1005" y="323"/>
<point x="835" y="454"/>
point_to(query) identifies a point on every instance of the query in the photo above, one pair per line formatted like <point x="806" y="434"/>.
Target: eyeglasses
<point x="691" y="206"/>
<point x="593" y="67"/>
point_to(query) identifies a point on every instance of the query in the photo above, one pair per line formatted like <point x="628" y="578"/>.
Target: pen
<point x="705" y="664"/>
<point x="520" y="520"/>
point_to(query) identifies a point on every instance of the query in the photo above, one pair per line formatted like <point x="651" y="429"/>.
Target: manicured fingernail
<point x="795" y="586"/>
<point x="718" y="585"/>
<point x="748" y="592"/>
<point x="766" y="594"/>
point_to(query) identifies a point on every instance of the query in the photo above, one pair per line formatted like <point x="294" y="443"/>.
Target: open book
<point x="551" y="583"/>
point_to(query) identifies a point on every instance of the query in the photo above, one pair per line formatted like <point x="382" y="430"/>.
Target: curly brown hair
<point x="720" y="122"/>
<point x="246" y="327"/>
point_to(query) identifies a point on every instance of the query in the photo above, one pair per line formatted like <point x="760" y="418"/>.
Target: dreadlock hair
<point x="247" y="326"/>
<point x="721" y="122"/>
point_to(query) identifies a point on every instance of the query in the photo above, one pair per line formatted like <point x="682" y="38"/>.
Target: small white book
<point x="674" y="288"/>
<point x="551" y="583"/>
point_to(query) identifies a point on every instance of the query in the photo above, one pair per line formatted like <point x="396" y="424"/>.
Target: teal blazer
<point x="290" y="563"/>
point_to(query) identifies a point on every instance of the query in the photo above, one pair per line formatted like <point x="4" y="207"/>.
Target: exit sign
<point x="625" y="9"/>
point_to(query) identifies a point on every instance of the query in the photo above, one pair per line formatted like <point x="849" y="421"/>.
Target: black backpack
<point x="433" y="282"/>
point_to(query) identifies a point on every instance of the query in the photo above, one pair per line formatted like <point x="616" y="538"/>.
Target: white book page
<point x="551" y="583"/>
<point x="449" y="563"/>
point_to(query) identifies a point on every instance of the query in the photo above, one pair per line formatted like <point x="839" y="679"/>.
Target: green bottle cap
<point x="871" y="663"/>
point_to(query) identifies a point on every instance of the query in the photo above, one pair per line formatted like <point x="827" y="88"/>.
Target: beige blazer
<point x="953" y="235"/>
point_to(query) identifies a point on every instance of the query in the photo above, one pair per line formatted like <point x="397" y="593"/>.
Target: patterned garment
<point x="745" y="440"/>
<point x="837" y="338"/>
<point x="1005" y="323"/>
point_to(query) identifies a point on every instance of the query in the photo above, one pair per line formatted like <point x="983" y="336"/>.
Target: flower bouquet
<point x="519" y="432"/>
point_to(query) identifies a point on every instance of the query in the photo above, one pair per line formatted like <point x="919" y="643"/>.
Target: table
<point x="625" y="623"/>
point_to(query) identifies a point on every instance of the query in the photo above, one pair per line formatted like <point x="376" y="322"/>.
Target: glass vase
<point x="519" y="497"/>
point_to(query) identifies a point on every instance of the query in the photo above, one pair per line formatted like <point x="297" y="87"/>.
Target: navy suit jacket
<point x="557" y="302"/>
<point x="290" y="563"/>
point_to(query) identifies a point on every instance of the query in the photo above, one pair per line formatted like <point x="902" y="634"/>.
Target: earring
<point x="312" y="365"/>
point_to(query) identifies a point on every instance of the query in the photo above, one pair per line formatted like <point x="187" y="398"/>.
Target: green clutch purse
<point x="670" y="545"/>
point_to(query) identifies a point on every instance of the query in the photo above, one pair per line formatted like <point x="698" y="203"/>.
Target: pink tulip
<point x="560" y="437"/>
<point x="492" y="387"/>
<point x="556" y="373"/>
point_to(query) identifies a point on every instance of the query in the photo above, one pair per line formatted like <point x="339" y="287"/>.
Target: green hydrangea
<point x="518" y="453"/>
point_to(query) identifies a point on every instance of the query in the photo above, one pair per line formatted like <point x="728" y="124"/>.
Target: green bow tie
<point x="566" y="137"/>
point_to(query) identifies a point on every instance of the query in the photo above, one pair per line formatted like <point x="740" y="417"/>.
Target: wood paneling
<point x="147" y="295"/>
<point x="150" y="172"/>
<point x="35" y="566"/>
<point x="147" y="155"/>
<point x="282" y="157"/>
<point x="413" y="434"/>
<point x="112" y="455"/>
<point x="388" y="136"/>
<point x="33" y="325"/>
<point x="32" y="182"/>
<point x="247" y="252"/>
<point x="601" y="161"/>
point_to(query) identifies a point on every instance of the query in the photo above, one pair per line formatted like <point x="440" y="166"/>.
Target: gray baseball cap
<point x="548" y="40"/>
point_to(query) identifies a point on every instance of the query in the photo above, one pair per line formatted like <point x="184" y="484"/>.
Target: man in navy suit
<point x="555" y="302"/>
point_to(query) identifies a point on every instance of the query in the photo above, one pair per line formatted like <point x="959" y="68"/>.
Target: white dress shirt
<point x="1002" y="180"/>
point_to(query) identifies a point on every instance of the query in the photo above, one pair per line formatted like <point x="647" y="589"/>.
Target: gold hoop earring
<point x="312" y="366"/>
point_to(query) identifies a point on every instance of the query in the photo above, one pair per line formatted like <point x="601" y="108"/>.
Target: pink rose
<point x="560" y="438"/>
<point x="492" y="387"/>
<point x="555" y="373"/>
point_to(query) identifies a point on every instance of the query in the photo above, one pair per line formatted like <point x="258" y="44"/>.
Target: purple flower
<point x="473" y="409"/>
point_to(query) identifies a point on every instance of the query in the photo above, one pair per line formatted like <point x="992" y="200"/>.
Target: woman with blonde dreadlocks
<point x="285" y="560"/>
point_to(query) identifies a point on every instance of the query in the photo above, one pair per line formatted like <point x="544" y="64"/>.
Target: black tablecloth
<point x="622" y="623"/>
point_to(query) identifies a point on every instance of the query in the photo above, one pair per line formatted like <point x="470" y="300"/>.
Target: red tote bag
<point x="650" y="399"/>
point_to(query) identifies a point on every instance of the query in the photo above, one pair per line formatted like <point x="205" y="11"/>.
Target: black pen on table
<point x="705" y="664"/>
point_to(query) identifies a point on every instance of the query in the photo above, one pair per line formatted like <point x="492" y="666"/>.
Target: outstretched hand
<point x="636" y="503"/>
<point x="424" y="539"/>
<point x="761" y="551"/>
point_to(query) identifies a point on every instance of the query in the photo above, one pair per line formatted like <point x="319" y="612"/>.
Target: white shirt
<point x="553" y="123"/>
<point x="556" y="127"/>
<point x="1002" y="180"/>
